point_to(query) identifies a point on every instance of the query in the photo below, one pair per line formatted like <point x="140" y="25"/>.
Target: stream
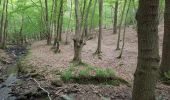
<point x="16" y="53"/>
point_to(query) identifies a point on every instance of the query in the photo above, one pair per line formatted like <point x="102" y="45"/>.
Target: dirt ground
<point x="44" y="61"/>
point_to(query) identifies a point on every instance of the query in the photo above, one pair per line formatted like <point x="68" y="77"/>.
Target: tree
<point x="79" y="40"/>
<point x="21" y="37"/>
<point x="59" y="28"/>
<point x="99" y="51"/>
<point x="165" y="64"/>
<point x="92" y="18"/>
<point x="115" y="17"/>
<point x="68" y="26"/>
<point x="148" y="51"/>
<point x="120" y="26"/>
<point x="3" y="27"/>
<point x="85" y="30"/>
<point x="124" y="32"/>
<point x="48" y="34"/>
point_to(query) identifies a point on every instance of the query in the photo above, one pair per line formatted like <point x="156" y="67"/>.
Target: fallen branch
<point x="57" y="93"/>
<point x="60" y="89"/>
<point x="42" y="88"/>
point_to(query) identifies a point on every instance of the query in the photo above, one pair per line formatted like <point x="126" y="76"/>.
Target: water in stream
<point x="5" y="87"/>
<point x="12" y="72"/>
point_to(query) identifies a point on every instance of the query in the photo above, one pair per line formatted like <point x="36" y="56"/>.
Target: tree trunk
<point x="68" y="27"/>
<point x="47" y="24"/>
<point x="86" y="21"/>
<point x="5" y="33"/>
<point x="120" y="26"/>
<point x="92" y="18"/>
<point x="124" y="31"/>
<point x="21" y="38"/>
<point x="148" y="51"/>
<point x="115" y="17"/>
<point x="61" y="25"/>
<point x="55" y="20"/>
<point x="99" y="51"/>
<point x="43" y="22"/>
<point x="59" y="29"/>
<point x="165" y="64"/>
<point x="77" y="38"/>
<point x="77" y="52"/>
<point x="4" y="22"/>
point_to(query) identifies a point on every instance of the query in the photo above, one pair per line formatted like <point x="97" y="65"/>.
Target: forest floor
<point x="45" y="59"/>
<point x="46" y="63"/>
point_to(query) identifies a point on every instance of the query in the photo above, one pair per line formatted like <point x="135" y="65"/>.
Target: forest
<point x="84" y="49"/>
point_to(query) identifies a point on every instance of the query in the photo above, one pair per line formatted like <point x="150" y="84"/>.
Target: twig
<point x="42" y="88"/>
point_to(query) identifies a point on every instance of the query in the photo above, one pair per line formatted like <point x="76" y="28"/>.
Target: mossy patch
<point x="86" y="74"/>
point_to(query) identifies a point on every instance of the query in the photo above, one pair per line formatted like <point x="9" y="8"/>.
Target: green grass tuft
<point x="67" y="75"/>
<point x="87" y="74"/>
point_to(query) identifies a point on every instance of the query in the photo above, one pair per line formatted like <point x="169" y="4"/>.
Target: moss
<point x="104" y="72"/>
<point x="67" y="75"/>
<point x="84" y="73"/>
<point x="91" y="75"/>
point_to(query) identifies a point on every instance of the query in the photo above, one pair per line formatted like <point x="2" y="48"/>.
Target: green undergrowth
<point x="165" y="78"/>
<point x="86" y="74"/>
